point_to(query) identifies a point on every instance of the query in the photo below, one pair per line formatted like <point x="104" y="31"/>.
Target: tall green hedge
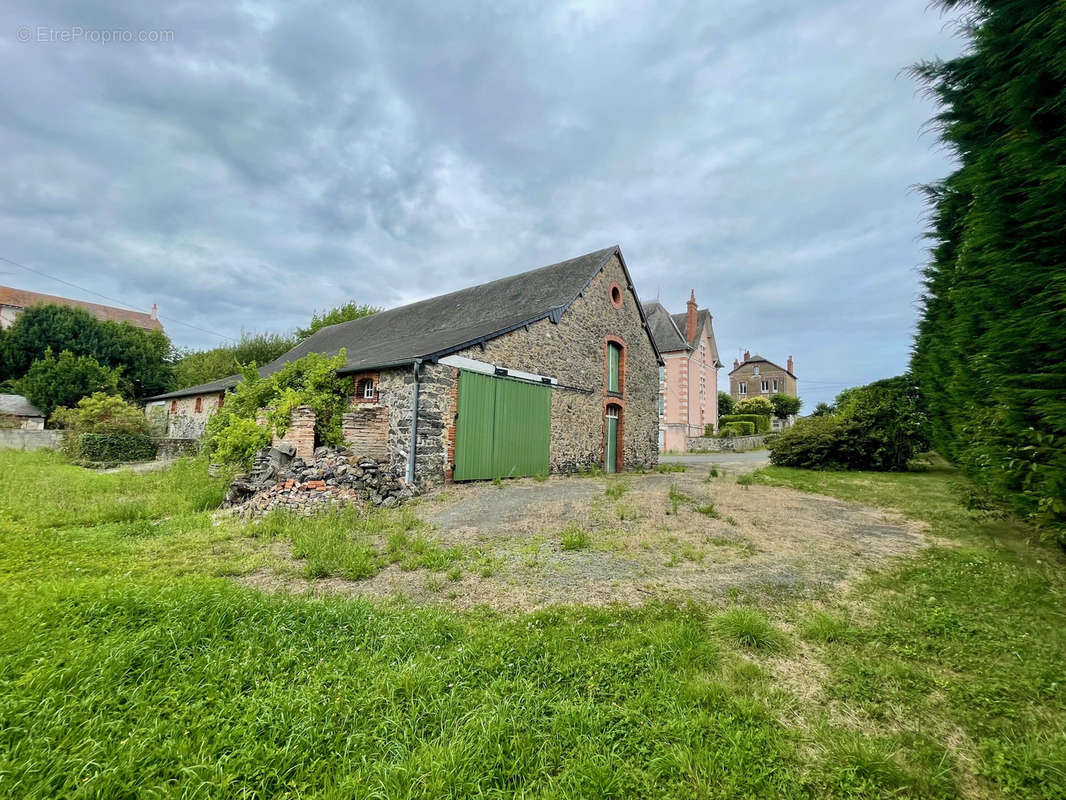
<point x="761" y="422"/>
<point x="116" y="447"/>
<point x="990" y="352"/>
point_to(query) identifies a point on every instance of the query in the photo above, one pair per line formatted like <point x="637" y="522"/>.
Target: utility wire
<point x="111" y="299"/>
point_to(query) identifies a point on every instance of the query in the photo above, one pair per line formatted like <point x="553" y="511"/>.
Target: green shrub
<point x="876" y="427"/>
<point x="105" y="447"/>
<point x="237" y="442"/>
<point x="759" y="406"/>
<point x="101" y="413"/>
<point x="760" y="422"/>
<point x="736" y="428"/>
<point x="785" y="405"/>
<point x="232" y="434"/>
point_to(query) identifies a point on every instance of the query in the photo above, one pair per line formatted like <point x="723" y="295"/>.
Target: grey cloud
<point x="277" y="158"/>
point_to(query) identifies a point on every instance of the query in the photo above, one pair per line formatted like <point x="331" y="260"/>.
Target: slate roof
<point x="446" y="324"/>
<point x="668" y="329"/>
<point x="664" y="330"/>
<point x="20" y="298"/>
<point x="759" y="359"/>
<point x="15" y="405"/>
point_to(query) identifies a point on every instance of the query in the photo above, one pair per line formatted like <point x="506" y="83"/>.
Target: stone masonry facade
<point x="573" y="351"/>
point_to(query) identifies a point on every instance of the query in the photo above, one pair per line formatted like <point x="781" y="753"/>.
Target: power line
<point x="111" y="299"/>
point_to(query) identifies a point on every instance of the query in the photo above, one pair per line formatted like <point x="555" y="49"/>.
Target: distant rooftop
<point x="20" y="299"/>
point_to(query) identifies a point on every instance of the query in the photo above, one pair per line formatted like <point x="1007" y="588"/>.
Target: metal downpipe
<point x="414" y="426"/>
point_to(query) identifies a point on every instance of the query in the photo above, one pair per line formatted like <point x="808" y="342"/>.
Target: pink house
<point x="688" y="383"/>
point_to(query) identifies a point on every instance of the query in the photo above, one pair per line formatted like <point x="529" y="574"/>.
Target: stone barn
<point x="551" y="370"/>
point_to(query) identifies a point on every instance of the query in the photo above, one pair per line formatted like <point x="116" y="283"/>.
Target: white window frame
<point x="368" y="388"/>
<point x="743" y="387"/>
<point x="765" y="386"/>
<point x="755" y="370"/>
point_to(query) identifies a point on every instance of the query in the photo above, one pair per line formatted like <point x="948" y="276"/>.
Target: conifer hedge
<point x="990" y="351"/>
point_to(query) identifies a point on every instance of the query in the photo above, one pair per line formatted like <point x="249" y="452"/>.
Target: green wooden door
<point x="611" y="454"/>
<point x="503" y="429"/>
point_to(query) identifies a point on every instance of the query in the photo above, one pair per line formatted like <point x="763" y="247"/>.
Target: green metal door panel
<point x="473" y="430"/>
<point x="613" y="357"/>
<point x="611" y="459"/>
<point x="523" y="429"/>
<point x="503" y="429"/>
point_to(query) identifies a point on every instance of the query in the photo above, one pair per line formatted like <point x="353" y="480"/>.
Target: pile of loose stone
<point x="333" y="476"/>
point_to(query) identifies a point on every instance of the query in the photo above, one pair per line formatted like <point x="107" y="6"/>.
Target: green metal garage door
<point x="503" y="429"/>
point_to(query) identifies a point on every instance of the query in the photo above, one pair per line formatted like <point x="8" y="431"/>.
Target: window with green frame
<point x="614" y="362"/>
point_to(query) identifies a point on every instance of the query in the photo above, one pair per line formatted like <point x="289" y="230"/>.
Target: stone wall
<point x="169" y="449"/>
<point x="18" y="439"/>
<point x="736" y="444"/>
<point x="574" y="351"/>
<point x="396" y="392"/>
<point x="183" y="420"/>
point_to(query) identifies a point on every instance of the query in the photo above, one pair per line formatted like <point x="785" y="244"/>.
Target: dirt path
<point x="724" y="538"/>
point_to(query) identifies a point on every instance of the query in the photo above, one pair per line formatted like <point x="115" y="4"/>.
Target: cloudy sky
<point x="247" y="164"/>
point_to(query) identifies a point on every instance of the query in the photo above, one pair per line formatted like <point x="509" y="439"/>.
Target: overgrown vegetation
<point x="104" y="428"/>
<point x="334" y="316"/>
<point x="140" y="359"/>
<point x="130" y="663"/>
<point x="990" y="354"/>
<point x="233" y="435"/>
<point x="253" y="349"/>
<point x="880" y="427"/>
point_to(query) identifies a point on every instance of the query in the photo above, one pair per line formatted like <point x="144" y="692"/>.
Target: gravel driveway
<point x="685" y="536"/>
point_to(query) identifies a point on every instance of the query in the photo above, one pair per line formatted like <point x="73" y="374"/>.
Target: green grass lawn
<point x="131" y="665"/>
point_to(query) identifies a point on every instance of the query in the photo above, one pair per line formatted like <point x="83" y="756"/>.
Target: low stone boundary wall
<point x="169" y="449"/>
<point x="733" y="444"/>
<point x="17" y="439"/>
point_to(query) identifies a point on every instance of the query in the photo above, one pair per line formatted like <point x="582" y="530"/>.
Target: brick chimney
<point x="691" y="318"/>
<point x="790" y="363"/>
<point x="735" y="363"/>
<point x="155" y="311"/>
<point x="747" y="356"/>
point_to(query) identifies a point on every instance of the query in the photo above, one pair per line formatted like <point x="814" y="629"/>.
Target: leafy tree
<point x="50" y="327"/>
<point x="194" y="368"/>
<point x="754" y="405"/>
<point x="65" y="379"/>
<point x="726" y="404"/>
<point x="823" y="410"/>
<point x="346" y="313"/>
<point x="785" y="405"/>
<point x="989" y="354"/>
<point x="141" y="356"/>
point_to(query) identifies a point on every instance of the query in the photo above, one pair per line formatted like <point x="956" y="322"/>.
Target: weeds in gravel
<point x="616" y="488"/>
<point x="712" y="473"/>
<point x="574" y="537"/>
<point x="668" y="468"/>
<point x="708" y="510"/>
<point x="677" y="497"/>
<point x="745" y="480"/>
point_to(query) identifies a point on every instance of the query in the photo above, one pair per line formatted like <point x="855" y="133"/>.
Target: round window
<point x="615" y="294"/>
